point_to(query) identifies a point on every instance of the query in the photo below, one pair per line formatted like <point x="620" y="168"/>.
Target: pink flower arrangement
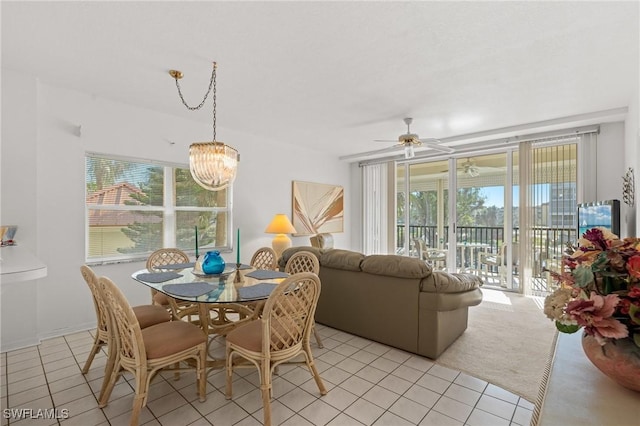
<point x="599" y="288"/>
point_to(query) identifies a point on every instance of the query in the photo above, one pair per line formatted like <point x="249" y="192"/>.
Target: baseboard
<point x="535" y="417"/>
<point x="34" y="341"/>
<point x="19" y="344"/>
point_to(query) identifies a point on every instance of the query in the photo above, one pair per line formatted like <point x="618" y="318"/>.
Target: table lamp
<point x="280" y="225"/>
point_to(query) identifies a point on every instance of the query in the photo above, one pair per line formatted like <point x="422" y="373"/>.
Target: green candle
<point x="197" y="255"/>
<point x="238" y="252"/>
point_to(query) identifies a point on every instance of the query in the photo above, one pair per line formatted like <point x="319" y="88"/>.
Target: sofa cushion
<point x="444" y="282"/>
<point x="341" y="259"/>
<point x="391" y="265"/>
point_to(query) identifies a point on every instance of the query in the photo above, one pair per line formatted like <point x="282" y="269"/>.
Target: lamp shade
<point x="280" y="224"/>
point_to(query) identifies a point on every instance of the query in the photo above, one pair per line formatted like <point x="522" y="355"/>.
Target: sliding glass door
<point x="511" y="236"/>
<point x="480" y="216"/>
<point x="422" y="196"/>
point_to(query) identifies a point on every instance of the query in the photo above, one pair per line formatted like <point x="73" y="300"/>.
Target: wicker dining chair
<point x="265" y="258"/>
<point x="305" y="261"/>
<point x="144" y="352"/>
<point x="281" y="334"/>
<point x="147" y="315"/>
<point x="155" y="262"/>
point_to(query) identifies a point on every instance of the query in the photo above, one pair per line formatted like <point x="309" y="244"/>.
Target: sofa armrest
<point x="443" y="291"/>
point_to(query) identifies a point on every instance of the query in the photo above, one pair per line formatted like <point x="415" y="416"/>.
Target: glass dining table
<point x="221" y="302"/>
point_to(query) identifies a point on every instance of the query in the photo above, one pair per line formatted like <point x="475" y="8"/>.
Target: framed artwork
<point x="317" y="207"/>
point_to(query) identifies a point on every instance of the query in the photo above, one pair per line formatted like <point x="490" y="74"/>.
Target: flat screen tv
<point x="604" y="214"/>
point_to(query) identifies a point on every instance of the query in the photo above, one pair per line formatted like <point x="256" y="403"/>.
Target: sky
<point x="495" y="194"/>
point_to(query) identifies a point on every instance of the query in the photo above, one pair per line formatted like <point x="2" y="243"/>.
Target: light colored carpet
<point x="507" y="343"/>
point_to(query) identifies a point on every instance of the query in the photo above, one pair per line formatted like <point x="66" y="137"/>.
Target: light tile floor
<point x="369" y="384"/>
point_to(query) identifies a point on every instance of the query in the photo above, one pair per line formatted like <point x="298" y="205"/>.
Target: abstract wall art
<point x="317" y="207"/>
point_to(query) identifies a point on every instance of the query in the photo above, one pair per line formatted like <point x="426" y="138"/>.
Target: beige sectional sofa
<point x="395" y="300"/>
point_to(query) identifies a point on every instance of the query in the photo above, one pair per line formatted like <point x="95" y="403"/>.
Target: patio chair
<point x="435" y="257"/>
<point x="499" y="261"/>
<point x="280" y="335"/>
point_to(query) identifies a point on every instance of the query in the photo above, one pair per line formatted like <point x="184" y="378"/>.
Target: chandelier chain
<point x="212" y="85"/>
<point x="213" y="79"/>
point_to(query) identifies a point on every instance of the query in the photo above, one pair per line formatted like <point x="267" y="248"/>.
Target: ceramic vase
<point x="617" y="359"/>
<point x="213" y="263"/>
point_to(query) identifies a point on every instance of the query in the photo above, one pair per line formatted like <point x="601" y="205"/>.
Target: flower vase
<point x="618" y="359"/>
<point x="213" y="263"/>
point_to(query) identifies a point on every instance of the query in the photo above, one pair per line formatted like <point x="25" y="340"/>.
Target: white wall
<point x="46" y="133"/>
<point x="631" y="214"/>
<point x="611" y="153"/>
<point x="18" y="176"/>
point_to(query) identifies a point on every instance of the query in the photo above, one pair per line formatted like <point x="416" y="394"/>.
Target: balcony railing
<point x="548" y="243"/>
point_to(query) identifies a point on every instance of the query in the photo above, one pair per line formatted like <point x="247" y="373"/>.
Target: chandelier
<point x="213" y="164"/>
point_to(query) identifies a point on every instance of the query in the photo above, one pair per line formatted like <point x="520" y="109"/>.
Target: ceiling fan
<point x="409" y="141"/>
<point x="470" y="169"/>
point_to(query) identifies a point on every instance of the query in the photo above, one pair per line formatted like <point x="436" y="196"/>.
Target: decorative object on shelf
<point x="599" y="291"/>
<point x="323" y="240"/>
<point x="8" y="234"/>
<point x="617" y="359"/>
<point x="213" y="164"/>
<point x="628" y="187"/>
<point x="213" y="263"/>
<point x="280" y="225"/>
<point x="317" y="208"/>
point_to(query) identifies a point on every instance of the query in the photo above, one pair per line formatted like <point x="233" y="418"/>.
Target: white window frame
<point x="168" y="209"/>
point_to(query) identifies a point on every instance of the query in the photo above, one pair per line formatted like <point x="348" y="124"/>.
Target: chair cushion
<point x="248" y="336"/>
<point x="161" y="299"/>
<point x="171" y="337"/>
<point x="149" y="315"/>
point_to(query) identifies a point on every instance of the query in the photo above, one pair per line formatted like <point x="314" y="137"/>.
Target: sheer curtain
<point x="375" y="187"/>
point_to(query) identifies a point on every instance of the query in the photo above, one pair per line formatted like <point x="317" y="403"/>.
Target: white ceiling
<point x="336" y="75"/>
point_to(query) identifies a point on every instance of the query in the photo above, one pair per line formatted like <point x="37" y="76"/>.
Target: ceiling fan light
<point x="409" y="152"/>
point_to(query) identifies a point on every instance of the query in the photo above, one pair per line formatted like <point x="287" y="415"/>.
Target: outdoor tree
<point x="146" y="232"/>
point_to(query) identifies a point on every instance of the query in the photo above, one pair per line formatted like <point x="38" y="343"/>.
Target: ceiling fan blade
<point x="385" y="140"/>
<point x="440" y="148"/>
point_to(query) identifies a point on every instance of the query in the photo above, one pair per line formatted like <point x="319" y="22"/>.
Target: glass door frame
<point x="452" y="226"/>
